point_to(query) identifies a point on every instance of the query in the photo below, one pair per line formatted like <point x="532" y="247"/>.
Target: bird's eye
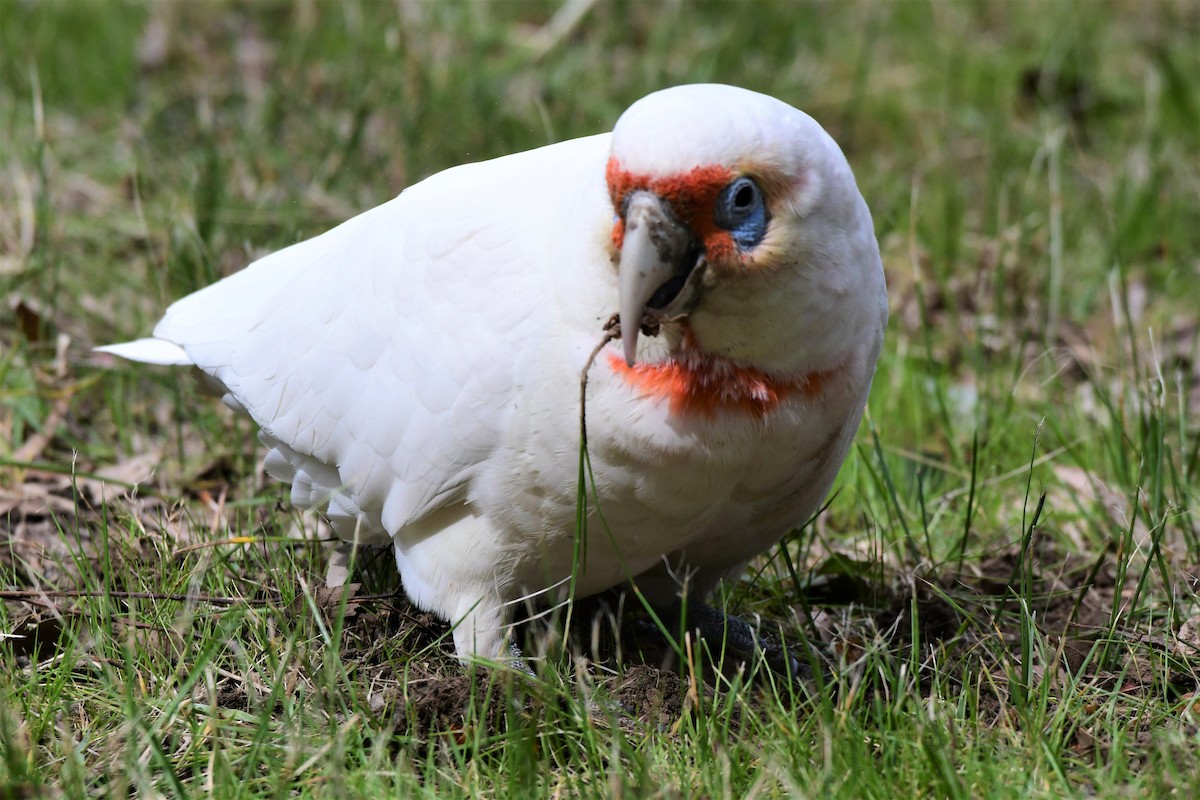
<point x="744" y="197"/>
<point x="742" y="211"/>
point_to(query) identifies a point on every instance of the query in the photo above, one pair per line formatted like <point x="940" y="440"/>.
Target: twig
<point x="612" y="330"/>
<point x="33" y="594"/>
<point x="240" y="540"/>
<point x="560" y="27"/>
<point x="35" y="444"/>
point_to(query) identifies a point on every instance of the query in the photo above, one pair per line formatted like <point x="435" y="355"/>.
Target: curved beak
<point x="656" y="248"/>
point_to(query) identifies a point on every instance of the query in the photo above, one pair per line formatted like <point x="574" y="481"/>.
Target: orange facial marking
<point x="692" y="195"/>
<point x="697" y="383"/>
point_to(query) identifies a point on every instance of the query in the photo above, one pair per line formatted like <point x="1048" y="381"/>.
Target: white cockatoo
<point x="416" y="370"/>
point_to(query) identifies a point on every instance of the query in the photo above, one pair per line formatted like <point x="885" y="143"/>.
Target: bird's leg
<point x="337" y="570"/>
<point x="736" y="634"/>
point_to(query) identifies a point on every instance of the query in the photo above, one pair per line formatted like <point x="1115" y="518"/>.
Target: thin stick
<point x="612" y="330"/>
<point x="33" y="594"/>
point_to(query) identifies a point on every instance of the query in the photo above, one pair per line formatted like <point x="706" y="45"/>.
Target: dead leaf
<point x="1187" y="641"/>
<point x="1079" y="486"/>
<point x="118" y="480"/>
<point x="330" y="599"/>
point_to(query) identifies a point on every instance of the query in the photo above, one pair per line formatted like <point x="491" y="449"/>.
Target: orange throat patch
<point x="694" y="382"/>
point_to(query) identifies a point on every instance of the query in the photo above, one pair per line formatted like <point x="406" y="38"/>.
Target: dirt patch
<point x="651" y="695"/>
<point x="451" y="703"/>
<point x="1058" y="606"/>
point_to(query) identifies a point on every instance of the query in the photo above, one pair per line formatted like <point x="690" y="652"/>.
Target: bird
<point x="415" y="372"/>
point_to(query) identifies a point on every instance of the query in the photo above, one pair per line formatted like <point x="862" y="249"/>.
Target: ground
<point x="1002" y="592"/>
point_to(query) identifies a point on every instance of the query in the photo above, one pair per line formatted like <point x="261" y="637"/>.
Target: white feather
<point x="415" y="370"/>
<point x="149" y="351"/>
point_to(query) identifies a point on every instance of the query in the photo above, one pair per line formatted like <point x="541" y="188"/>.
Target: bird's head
<point x="736" y="217"/>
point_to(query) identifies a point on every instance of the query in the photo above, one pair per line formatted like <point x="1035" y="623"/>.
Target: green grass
<point x="1007" y="570"/>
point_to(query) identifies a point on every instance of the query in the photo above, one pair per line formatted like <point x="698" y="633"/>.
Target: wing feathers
<point x="382" y="358"/>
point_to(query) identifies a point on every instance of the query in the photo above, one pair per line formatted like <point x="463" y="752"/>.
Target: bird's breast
<point x="707" y="389"/>
<point x="695" y="383"/>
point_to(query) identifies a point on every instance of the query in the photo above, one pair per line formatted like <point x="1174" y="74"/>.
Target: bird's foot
<point x="741" y="640"/>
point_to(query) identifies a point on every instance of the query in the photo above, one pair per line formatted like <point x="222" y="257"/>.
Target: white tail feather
<point x="149" y="351"/>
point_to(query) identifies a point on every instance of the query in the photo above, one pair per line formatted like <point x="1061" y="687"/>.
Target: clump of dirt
<point x="232" y="694"/>
<point x="430" y="695"/>
<point x="654" y="696"/>
<point x="448" y="703"/>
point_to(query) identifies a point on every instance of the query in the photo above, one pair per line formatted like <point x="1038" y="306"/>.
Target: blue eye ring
<point x="741" y="210"/>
